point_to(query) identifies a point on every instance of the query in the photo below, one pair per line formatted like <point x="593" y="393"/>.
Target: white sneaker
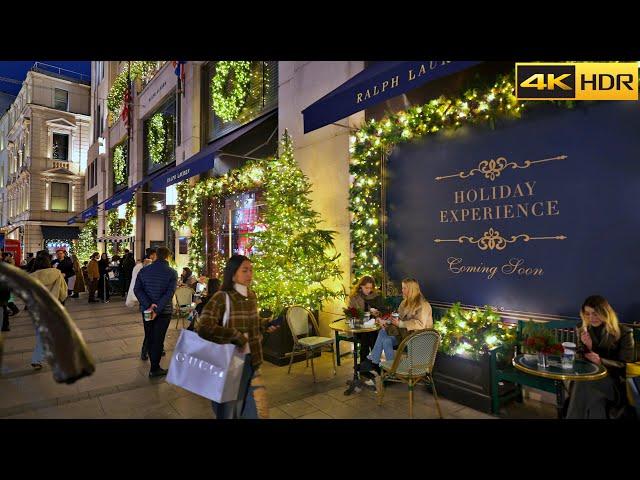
<point x="370" y="383"/>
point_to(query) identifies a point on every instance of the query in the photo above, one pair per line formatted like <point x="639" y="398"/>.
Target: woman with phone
<point x="604" y="341"/>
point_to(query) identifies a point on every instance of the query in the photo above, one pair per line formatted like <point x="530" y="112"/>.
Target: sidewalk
<point x="120" y="387"/>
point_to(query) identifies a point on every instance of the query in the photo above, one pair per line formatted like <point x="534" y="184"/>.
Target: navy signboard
<point x="533" y="216"/>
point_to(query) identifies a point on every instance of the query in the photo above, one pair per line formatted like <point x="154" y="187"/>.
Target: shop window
<point x="60" y="146"/>
<point x="262" y="96"/>
<point x="242" y="215"/>
<point x="60" y="197"/>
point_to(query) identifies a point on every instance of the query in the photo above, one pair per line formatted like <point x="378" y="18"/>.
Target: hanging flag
<point x="178" y="66"/>
<point x="125" y="109"/>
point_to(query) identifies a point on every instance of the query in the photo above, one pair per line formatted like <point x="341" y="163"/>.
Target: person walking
<point x="244" y="326"/>
<point x="103" y="281"/>
<point x="65" y="265"/>
<point x="154" y="289"/>
<point x="93" y="272"/>
<point x="132" y="301"/>
<point x="79" y="286"/>
<point x="53" y="280"/>
<point x="128" y="264"/>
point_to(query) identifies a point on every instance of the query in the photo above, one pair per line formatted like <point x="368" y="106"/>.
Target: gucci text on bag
<point x="201" y="364"/>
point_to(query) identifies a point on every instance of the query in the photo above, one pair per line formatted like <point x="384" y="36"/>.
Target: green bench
<point x="565" y="331"/>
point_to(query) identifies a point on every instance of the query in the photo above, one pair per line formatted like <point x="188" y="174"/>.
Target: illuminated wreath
<point x="156" y="138"/>
<point x="229" y="88"/>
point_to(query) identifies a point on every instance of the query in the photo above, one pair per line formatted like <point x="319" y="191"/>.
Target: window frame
<point x="51" y="196"/>
<point x="55" y="100"/>
<point x="53" y="142"/>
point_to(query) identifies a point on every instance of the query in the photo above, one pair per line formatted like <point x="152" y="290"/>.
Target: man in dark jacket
<point x="128" y="264"/>
<point x="154" y="289"/>
<point x="64" y="263"/>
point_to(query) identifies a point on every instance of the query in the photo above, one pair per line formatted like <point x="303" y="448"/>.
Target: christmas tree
<point x="87" y="243"/>
<point x="293" y="260"/>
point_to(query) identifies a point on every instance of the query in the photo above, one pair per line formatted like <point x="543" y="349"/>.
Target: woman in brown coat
<point x="79" y="286"/>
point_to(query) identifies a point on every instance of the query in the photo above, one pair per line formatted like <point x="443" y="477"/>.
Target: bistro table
<point x="343" y="326"/>
<point x="582" y="371"/>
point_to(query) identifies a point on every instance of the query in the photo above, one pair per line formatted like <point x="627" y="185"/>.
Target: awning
<point x="60" y="233"/>
<point x="72" y="220"/>
<point x="204" y="159"/>
<point x="121" y="197"/>
<point x="373" y="85"/>
<point x="89" y="212"/>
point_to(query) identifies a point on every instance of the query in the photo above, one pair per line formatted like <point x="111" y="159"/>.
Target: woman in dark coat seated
<point x="213" y="285"/>
<point x="604" y="341"/>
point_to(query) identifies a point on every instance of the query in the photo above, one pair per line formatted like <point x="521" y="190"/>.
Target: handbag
<point x="211" y="370"/>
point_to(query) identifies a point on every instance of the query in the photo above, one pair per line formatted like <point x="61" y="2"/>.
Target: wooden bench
<point x="564" y="330"/>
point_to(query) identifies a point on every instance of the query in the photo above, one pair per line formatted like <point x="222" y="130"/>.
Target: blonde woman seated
<point x="415" y="314"/>
<point x="603" y="341"/>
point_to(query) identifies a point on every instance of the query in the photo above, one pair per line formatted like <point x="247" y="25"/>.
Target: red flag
<point x="125" y="109"/>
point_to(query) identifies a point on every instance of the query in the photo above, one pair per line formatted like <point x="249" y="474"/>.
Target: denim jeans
<point x="385" y="343"/>
<point x="245" y="405"/>
<point x="38" y="352"/>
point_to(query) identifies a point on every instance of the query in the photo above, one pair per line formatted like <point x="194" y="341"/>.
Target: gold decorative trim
<point x="561" y="376"/>
<point x="493" y="168"/>
<point x="492" y="240"/>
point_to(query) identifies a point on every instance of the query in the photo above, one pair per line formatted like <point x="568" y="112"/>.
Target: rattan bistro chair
<point x="298" y="319"/>
<point x="412" y="363"/>
<point x="183" y="297"/>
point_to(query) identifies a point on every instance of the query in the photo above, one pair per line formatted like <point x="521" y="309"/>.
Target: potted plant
<point x="463" y="365"/>
<point x="353" y="315"/>
<point x="539" y="342"/>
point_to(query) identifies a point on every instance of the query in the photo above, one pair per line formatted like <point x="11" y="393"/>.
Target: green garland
<point x="227" y="103"/>
<point x="473" y="332"/>
<point x="115" y="97"/>
<point x="376" y="139"/>
<point x="156" y="138"/>
<point x="120" y="164"/>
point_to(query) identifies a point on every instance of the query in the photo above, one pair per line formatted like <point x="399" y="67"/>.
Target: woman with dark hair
<point x="213" y="285"/>
<point x="244" y="326"/>
<point x="187" y="278"/>
<point x="365" y="297"/>
<point x="103" y="281"/>
<point x="604" y="341"/>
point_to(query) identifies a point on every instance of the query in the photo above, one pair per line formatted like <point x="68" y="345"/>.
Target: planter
<point x="277" y="345"/>
<point x="466" y="381"/>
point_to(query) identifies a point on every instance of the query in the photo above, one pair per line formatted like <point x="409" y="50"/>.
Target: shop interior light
<point x="172" y="195"/>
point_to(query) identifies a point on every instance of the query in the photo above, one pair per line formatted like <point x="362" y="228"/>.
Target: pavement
<point x="121" y="389"/>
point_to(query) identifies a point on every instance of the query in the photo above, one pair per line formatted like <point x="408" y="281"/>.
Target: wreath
<point x="156" y="138"/>
<point x="119" y="164"/>
<point x="227" y="102"/>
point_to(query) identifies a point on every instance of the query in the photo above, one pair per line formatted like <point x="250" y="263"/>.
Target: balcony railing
<point x="61" y="73"/>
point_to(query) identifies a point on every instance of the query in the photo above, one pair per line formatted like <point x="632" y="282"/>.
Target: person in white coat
<point x="132" y="301"/>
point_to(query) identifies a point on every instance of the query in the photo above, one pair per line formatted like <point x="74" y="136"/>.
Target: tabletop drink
<point x="569" y="355"/>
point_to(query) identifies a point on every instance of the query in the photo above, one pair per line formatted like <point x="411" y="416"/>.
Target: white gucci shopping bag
<point x="208" y="369"/>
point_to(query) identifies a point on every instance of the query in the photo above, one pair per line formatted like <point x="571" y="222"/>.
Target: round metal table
<point x="343" y="326"/>
<point x="582" y="371"/>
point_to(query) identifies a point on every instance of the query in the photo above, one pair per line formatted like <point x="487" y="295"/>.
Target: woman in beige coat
<point x="79" y="286"/>
<point x="53" y="280"/>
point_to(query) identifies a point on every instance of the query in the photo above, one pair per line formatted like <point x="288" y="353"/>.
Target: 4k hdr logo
<point x="577" y="81"/>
